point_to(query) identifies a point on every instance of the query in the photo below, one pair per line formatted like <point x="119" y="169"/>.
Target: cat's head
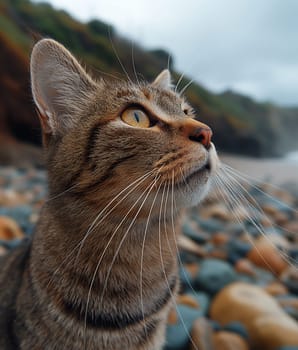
<point x="102" y="137"/>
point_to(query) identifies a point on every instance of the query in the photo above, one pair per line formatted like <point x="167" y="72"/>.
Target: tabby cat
<point x="123" y="159"/>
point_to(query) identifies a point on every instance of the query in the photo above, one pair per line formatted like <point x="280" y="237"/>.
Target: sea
<point x="292" y="157"/>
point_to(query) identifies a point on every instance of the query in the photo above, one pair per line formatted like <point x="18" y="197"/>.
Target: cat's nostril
<point x="202" y="135"/>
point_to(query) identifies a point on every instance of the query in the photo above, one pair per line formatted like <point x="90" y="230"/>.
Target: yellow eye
<point x="135" y="117"/>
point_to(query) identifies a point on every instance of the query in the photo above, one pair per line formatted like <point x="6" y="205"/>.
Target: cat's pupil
<point x="137" y="118"/>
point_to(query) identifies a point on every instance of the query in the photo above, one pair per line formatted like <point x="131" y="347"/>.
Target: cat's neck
<point x="74" y="252"/>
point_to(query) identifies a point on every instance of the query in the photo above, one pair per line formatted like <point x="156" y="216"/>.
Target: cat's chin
<point x="193" y="192"/>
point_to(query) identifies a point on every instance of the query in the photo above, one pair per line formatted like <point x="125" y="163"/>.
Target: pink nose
<point x="197" y="131"/>
<point x="202" y="135"/>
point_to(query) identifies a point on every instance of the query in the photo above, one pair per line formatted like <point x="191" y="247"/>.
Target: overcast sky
<point x="250" y="46"/>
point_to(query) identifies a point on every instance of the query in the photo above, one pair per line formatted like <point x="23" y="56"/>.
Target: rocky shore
<point x="238" y="268"/>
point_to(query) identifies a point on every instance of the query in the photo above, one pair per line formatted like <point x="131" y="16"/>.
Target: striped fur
<point x="101" y="270"/>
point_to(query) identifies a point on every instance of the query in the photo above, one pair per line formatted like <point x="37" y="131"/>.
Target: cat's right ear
<point x="163" y="80"/>
<point x="61" y="88"/>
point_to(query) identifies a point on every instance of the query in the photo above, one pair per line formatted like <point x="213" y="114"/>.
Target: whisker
<point x="169" y="60"/>
<point x="186" y="87"/>
<point x="245" y="178"/>
<point x="179" y="81"/>
<point x="133" y="63"/>
<point x="95" y="224"/>
<point x="253" y="218"/>
<point x="118" y="58"/>
<point x="62" y="193"/>
<point x="142" y="256"/>
<point x="125" y="235"/>
<point x="137" y="182"/>
<point x="175" y="238"/>
<point x="229" y="201"/>
<point x="232" y="198"/>
<point x="184" y="179"/>
<point x="108" y="74"/>
<point x="165" y="275"/>
<point x="104" y="251"/>
<point x="266" y="194"/>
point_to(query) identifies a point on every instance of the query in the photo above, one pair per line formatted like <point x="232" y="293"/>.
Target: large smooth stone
<point x="268" y="326"/>
<point x="215" y="274"/>
<point x="264" y="254"/>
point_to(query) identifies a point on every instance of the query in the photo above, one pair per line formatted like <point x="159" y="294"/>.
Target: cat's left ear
<point x="163" y="80"/>
<point x="61" y="88"/>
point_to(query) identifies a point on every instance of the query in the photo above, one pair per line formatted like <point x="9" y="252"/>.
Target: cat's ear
<point x="163" y="80"/>
<point x="60" y="86"/>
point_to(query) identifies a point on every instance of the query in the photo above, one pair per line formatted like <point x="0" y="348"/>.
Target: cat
<point x="123" y="160"/>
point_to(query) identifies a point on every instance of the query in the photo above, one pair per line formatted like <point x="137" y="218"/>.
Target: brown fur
<point x="73" y="288"/>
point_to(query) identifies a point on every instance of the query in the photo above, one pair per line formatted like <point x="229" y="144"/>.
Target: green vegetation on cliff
<point x="240" y="124"/>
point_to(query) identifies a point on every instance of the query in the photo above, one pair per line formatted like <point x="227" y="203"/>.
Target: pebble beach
<point x="238" y="262"/>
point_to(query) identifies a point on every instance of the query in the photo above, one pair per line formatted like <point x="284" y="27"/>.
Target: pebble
<point x="189" y="228"/>
<point x="237" y="327"/>
<point x="188" y="300"/>
<point x="263" y="277"/>
<point x="291" y="230"/>
<point x="187" y="278"/>
<point x="192" y="269"/>
<point x="229" y="341"/>
<point x="187" y="244"/>
<point x="276" y="289"/>
<point x="214" y="274"/>
<point x="268" y="326"/>
<point x="210" y="225"/>
<point x="178" y="334"/>
<point x="216" y="211"/>
<point x="290" y="279"/>
<point x="237" y="249"/>
<point x="246" y="267"/>
<point x="9" y="229"/>
<point x="3" y="251"/>
<point x="220" y="238"/>
<point x="218" y="254"/>
<point x="287" y="300"/>
<point x="267" y="256"/>
<point x="202" y="335"/>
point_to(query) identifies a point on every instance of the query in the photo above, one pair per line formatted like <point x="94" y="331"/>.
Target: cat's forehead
<point x="159" y="100"/>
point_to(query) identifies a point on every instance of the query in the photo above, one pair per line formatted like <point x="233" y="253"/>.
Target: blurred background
<point x="242" y="59"/>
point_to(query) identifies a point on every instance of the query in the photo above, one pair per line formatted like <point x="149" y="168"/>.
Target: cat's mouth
<point x="201" y="173"/>
<point x="202" y="170"/>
